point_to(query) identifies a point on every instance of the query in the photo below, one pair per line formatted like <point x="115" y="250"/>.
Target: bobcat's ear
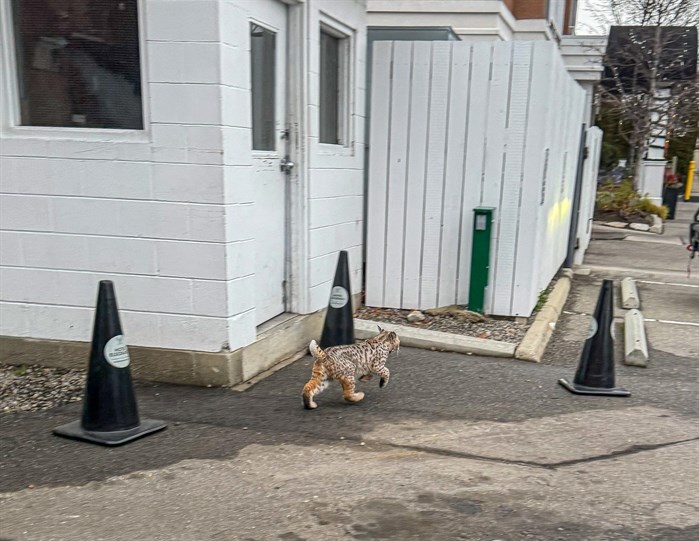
<point x="380" y="329"/>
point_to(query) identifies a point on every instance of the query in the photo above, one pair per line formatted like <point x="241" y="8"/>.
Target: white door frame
<point x="297" y="183"/>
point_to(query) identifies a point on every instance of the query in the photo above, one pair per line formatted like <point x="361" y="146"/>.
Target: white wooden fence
<point x="455" y="126"/>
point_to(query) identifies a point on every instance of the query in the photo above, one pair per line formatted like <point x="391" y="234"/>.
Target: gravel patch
<point x="34" y="388"/>
<point x="502" y="329"/>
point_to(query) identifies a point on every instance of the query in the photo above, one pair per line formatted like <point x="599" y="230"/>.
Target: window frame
<point x="11" y="119"/>
<point x="346" y="102"/>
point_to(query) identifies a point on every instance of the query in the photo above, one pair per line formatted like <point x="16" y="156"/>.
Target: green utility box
<point x="480" y="257"/>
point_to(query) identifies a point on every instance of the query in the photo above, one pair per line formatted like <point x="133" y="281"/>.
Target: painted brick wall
<point x="336" y="185"/>
<point x="146" y="212"/>
<point x="529" y="9"/>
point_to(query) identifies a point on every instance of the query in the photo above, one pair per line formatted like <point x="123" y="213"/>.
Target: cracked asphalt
<point x="455" y="447"/>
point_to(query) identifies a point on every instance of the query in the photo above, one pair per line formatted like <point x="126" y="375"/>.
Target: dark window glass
<point x="329" y="113"/>
<point x="262" y="77"/>
<point x="78" y="63"/>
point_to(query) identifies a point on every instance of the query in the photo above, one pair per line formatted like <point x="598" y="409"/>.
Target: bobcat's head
<point x="389" y="338"/>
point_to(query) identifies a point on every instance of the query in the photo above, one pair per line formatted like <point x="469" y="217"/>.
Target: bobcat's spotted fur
<point x="346" y="363"/>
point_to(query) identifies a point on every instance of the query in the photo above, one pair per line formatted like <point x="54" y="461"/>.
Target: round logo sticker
<point x="338" y="297"/>
<point x="116" y="353"/>
<point x="593" y="328"/>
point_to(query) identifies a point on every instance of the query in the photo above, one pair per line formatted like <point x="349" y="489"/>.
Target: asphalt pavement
<point x="455" y="447"/>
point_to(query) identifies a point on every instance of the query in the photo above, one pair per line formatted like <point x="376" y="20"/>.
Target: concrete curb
<point x="442" y="341"/>
<point x="534" y="343"/>
<point x="629" y="293"/>
<point x="635" y="344"/>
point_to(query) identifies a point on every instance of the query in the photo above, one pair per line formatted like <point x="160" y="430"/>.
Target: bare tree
<point x="643" y="12"/>
<point x="649" y="87"/>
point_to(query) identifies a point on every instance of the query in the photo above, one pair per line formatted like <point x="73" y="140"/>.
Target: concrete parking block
<point x="635" y="343"/>
<point x="629" y="294"/>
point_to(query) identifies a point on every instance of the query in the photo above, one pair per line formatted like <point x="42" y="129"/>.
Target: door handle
<point x="286" y="165"/>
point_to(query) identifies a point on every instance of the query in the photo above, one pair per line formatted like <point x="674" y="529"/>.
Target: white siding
<point x="167" y="213"/>
<point x="146" y="213"/>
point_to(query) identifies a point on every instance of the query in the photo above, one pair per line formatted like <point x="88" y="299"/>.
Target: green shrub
<point x="647" y="206"/>
<point x="624" y="200"/>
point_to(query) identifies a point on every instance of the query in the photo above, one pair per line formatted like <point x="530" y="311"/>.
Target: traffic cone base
<point x="600" y="391"/>
<point x="75" y="431"/>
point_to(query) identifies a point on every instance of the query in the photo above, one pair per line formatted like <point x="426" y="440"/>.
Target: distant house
<point x="496" y="20"/>
<point x="204" y="155"/>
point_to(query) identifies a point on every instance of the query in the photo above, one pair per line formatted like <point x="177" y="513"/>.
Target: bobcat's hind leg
<point x="316" y="385"/>
<point x="348" y="383"/>
<point x="384" y="374"/>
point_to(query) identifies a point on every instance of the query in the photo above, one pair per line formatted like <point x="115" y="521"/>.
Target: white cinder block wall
<point x="144" y="209"/>
<point x="165" y="213"/>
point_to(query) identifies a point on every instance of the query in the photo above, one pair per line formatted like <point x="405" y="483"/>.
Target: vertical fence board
<point x="453" y="185"/>
<point x="378" y="168"/>
<point x="495" y="149"/>
<point x="473" y="161"/>
<point x="503" y="274"/>
<point x="395" y="209"/>
<point x="524" y="294"/>
<point x="434" y="179"/>
<point x="415" y="190"/>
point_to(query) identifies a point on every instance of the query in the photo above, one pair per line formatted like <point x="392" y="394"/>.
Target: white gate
<point x="589" y="191"/>
<point x="456" y="126"/>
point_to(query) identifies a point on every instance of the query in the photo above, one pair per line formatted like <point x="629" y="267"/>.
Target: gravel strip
<point x="504" y="330"/>
<point x="33" y="388"/>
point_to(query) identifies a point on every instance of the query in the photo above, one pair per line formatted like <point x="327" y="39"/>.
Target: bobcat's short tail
<point x="319" y="377"/>
<point x="315" y="350"/>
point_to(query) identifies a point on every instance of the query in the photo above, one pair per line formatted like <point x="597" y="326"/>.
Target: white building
<point x="479" y="20"/>
<point x="147" y="146"/>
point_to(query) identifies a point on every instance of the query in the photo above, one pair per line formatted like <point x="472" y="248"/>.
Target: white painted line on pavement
<point x="665" y="283"/>
<point x="689" y="323"/>
<point x="669" y="321"/>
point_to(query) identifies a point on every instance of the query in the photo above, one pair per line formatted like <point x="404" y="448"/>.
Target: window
<point x="333" y="88"/>
<point x="78" y="63"/>
<point x="262" y="70"/>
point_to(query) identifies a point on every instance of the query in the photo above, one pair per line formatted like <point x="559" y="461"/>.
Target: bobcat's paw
<point x="356" y="397"/>
<point x="308" y="403"/>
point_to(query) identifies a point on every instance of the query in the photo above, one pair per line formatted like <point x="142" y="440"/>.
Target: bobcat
<point x="346" y="363"/>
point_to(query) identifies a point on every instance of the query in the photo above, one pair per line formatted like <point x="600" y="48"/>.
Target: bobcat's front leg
<point x="384" y="373"/>
<point x="348" y="383"/>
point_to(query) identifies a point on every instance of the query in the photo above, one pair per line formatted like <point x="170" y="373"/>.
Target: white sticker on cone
<point x="116" y="352"/>
<point x="593" y="328"/>
<point x="338" y="297"/>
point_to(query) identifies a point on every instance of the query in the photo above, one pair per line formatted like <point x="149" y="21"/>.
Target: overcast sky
<point x="585" y="24"/>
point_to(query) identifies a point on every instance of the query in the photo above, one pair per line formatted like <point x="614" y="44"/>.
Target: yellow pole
<point x="690" y="179"/>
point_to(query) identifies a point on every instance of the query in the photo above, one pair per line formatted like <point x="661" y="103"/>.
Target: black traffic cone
<point x="595" y="374"/>
<point x="110" y="414"/>
<point x="338" y="329"/>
